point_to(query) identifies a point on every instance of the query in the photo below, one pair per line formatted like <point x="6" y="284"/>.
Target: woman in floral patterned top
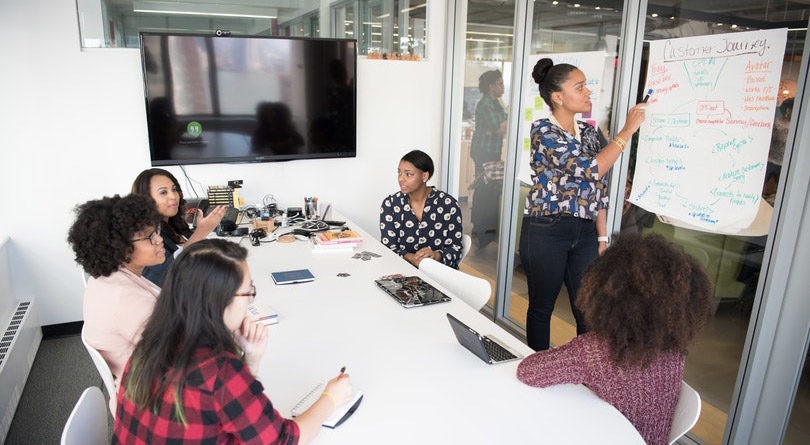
<point x="564" y="222"/>
<point x="418" y="221"/>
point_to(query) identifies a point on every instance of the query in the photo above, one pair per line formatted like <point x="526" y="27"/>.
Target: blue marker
<point x="647" y="97"/>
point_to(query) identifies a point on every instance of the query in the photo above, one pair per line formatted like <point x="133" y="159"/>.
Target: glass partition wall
<point x="489" y="146"/>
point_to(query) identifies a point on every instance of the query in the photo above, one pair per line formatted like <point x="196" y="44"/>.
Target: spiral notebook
<point x="338" y="416"/>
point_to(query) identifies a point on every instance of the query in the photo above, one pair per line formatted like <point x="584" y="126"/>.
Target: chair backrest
<point x="686" y="414"/>
<point x="101" y="366"/>
<point x="472" y="290"/>
<point x="87" y="424"/>
<point x="466" y="242"/>
<point x="85" y="276"/>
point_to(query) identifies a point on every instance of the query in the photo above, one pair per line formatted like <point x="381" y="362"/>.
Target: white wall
<point x="73" y="128"/>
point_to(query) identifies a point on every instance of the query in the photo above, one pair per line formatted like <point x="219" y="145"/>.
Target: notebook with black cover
<point x="411" y="291"/>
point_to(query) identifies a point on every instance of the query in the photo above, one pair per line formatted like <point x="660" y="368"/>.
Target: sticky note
<point x="527" y="144"/>
<point x="539" y="103"/>
<point x="528" y="115"/>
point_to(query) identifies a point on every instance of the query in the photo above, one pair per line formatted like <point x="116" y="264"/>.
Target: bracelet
<point x="620" y="142"/>
<point x="334" y="402"/>
<point x="603" y="239"/>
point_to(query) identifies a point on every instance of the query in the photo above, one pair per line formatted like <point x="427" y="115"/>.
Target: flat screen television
<point x="248" y="99"/>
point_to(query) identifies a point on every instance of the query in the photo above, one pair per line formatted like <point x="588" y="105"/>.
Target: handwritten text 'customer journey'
<point x="703" y="147"/>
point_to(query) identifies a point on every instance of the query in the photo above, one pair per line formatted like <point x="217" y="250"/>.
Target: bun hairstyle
<point x="550" y="77"/>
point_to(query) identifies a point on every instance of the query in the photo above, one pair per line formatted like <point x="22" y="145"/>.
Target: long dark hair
<point x="188" y="316"/>
<point x="176" y="228"/>
<point x="550" y="77"/>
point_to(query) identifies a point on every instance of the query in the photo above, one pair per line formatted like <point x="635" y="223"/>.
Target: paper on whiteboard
<point x="703" y="147"/>
<point x="592" y="64"/>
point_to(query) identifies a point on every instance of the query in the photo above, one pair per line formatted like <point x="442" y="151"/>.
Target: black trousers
<point x="554" y="250"/>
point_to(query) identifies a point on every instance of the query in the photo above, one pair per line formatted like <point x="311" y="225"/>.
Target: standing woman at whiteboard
<point x="564" y="219"/>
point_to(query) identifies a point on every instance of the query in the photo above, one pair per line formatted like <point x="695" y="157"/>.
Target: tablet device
<point x="292" y="276"/>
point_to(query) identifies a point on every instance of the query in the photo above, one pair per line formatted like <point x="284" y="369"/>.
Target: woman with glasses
<point x="114" y="239"/>
<point x="162" y="187"/>
<point x="192" y="378"/>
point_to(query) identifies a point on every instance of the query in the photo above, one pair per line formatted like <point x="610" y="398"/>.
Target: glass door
<point x="487" y="69"/>
<point x="733" y="260"/>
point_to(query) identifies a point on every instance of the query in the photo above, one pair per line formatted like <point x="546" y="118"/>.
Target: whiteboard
<point x="592" y="64"/>
<point x="703" y="147"/>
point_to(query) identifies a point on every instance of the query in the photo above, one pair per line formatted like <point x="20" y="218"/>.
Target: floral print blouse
<point x="440" y="228"/>
<point x="564" y="172"/>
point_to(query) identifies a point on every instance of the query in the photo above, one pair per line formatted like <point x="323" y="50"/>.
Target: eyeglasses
<point x="153" y="238"/>
<point x="251" y="293"/>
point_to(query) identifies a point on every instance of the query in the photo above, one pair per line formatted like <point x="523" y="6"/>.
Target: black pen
<point x="342" y="370"/>
<point x="647" y="97"/>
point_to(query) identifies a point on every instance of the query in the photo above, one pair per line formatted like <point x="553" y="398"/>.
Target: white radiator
<point x="18" y="348"/>
<point x="20" y="335"/>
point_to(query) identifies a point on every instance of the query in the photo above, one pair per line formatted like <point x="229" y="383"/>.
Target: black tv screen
<point x="248" y="99"/>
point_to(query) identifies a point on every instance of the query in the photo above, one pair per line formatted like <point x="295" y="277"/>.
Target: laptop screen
<point x="469" y="338"/>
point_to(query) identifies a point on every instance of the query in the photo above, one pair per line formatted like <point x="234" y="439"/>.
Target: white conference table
<point x="419" y="384"/>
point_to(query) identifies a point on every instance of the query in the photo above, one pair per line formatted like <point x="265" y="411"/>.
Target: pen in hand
<point x="342" y="370"/>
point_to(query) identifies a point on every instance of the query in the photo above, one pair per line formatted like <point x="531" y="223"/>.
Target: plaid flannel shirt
<point x="487" y="144"/>
<point x="222" y="402"/>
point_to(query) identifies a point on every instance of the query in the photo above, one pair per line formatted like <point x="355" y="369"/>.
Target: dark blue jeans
<point x="554" y="250"/>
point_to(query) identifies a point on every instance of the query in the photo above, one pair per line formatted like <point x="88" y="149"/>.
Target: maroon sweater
<point x="646" y="397"/>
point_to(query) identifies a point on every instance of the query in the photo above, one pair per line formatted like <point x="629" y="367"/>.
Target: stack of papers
<point x="336" y="240"/>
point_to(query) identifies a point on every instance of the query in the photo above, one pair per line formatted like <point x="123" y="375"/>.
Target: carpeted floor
<point x="62" y="370"/>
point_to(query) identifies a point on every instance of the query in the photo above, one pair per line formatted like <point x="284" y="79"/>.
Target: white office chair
<point x="87" y="424"/>
<point x="686" y="414"/>
<point x="103" y="370"/>
<point x="466" y="242"/>
<point x="472" y="290"/>
<point x="85" y="276"/>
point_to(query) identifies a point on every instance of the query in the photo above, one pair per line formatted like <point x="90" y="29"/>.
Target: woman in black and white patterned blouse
<point x="419" y="221"/>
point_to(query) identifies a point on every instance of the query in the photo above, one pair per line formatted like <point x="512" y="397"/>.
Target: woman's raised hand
<point x="634" y="118"/>
<point x="252" y="338"/>
<point x="206" y="224"/>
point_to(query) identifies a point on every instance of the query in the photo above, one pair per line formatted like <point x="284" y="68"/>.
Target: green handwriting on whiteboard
<point x="670" y="120"/>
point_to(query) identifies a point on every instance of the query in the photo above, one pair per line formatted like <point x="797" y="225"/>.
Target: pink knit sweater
<point x="646" y="397"/>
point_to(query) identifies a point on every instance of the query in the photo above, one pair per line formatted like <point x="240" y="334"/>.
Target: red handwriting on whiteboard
<point x="711" y="107"/>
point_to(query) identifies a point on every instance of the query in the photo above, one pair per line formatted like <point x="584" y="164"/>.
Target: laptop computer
<point x="487" y="348"/>
<point x="411" y="291"/>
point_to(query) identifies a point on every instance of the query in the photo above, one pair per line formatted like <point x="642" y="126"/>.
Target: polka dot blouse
<point x="440" y="228"/>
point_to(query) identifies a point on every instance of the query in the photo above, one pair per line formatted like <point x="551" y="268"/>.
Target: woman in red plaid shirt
<point x="193" y="375"/>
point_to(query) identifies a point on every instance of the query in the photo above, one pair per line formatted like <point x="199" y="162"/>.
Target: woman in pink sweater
<point x="643" y="300"/>
<point x="114" y="239"/>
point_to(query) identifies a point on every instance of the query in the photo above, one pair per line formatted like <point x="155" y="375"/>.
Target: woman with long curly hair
<point x="114" y="239"/>
<point x="192" y="378"/>
<point x="643" y="300"/>
<point x="162" y="187"/>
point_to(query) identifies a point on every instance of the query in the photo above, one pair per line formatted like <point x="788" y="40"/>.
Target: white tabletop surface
<point x="420" y="385"/>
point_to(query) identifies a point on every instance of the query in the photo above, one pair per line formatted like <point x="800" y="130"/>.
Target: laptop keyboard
<point x="497" y="352"/>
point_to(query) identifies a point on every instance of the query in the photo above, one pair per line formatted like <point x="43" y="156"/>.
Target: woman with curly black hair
<point x="162" y="187"/>
<point x="114" y="239"/>
<point x="644" y="301"/>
